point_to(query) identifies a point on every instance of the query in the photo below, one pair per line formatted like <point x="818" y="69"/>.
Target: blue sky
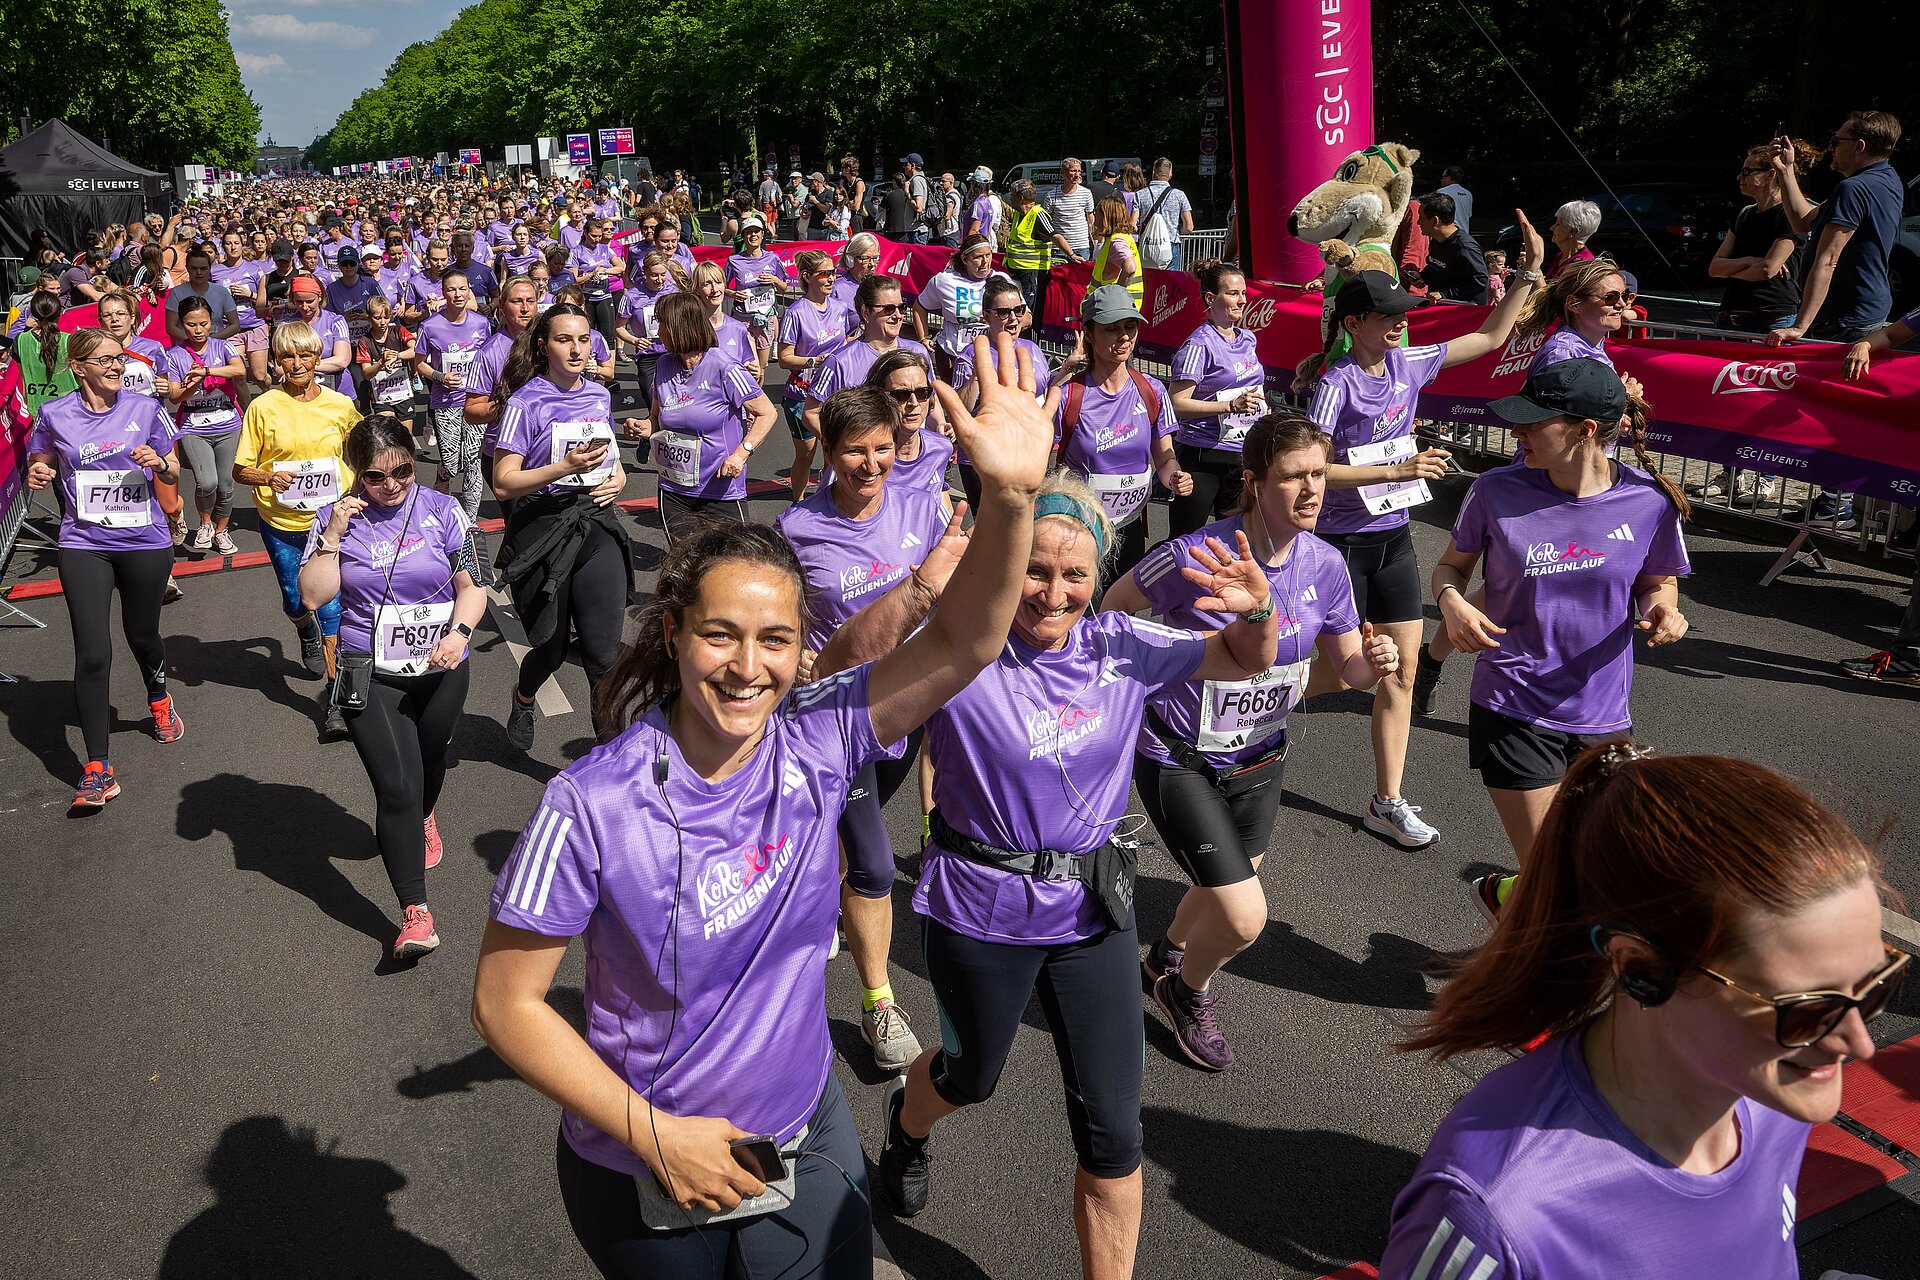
<point x="306" y="60"/>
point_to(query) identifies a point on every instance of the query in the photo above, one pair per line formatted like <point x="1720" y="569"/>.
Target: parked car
<point x="1045" y="174"/>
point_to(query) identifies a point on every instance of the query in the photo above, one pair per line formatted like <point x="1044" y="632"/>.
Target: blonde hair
<point x="85" y="342"/>
<point x="1548" y="304"/>
<point x="1069" y="484"/>
<point x="296" y="337"/>
<point x="705" y="271"/>
<point x="675" y="271"/>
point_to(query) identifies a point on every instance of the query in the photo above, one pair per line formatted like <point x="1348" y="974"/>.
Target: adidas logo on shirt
<point x="791" y="779"/>
<point x="1309" y="595"/>
<point x="911" y="540"/>
<point x="1623" y="534"/>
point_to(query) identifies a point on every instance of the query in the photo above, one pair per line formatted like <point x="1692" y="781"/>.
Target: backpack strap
<point x="1076" y="391"/>
<point x="1149" y="396"/>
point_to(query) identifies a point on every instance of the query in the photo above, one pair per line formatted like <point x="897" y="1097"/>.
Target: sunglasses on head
<point x="907" y="395"/>
<point x="1802" y="1017"/>
<point x="402" y="472"/>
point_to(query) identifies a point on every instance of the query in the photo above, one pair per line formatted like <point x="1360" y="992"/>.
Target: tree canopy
<point x="156" y="78"/>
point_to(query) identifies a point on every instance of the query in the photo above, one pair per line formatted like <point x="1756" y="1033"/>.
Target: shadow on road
<point x="290" y="835"/>
<point x="260" y="665"/>
<point x="1324" y="1196"/>
<point x="483" y="1064"/>
<point x="286" y="1208"/>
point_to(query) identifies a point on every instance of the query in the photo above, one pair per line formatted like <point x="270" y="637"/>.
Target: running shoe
<point x="1831" y="509"/>
<point x="434" y="848"/>
<point x="1716" y="486"/>
<point x="1400" y="822"/>
<point x="1426" y="680"/>
<point x="333" y="726"/>
<point x="167" y="724"/>
<point x="1196" y="1023"/>
<point x="1161" y="960"/>
<point x="177" y="526"/>
<point x="1886" y="666"/>
<point x="888" y="1033"/>
<point x="223" y="543"/>
<point x="1750" y="490"/>
<point x="173" y="592"/>
<point x="520" y="717"/>
<point x="312" y="654"/>
<point x="97" y="786"/>
<point x="417" y="937"/>
<point x="202" y="539"/>
<point x="1490" y="893"/>
<point x="905" y="1165"/>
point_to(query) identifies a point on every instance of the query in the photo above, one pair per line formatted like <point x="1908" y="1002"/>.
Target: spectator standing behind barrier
<point x="896" y="210"/>
<point x="1760" y="258"/>
<point x="1701" y="940"/>
<point x="1573" y="223"/>
<point x="1453" y="179"/>
<point x="945" y="214"/>
<point x="1071" y="210"/>
<point x="1456" y="269"/>
<point x="1032" y="236"/>
<point x="919" y="196"/>
<point x="1107" y="185"/>
<point x="984" y="209"/>
<point x="1161" y="199"/>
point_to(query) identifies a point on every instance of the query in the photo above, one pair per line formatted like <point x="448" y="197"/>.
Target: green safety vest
<point x="1023" y="251"/>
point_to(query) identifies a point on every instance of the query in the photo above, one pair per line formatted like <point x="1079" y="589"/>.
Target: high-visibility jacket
<point x="1138" y="286"/>
<point x="1024" y="250"/>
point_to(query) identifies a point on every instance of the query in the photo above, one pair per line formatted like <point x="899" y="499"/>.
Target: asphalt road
<point x="212" y="1073"/>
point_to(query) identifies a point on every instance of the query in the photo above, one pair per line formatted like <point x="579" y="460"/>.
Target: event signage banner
<point x="616" y="142"/>
<point x="469" y="155"/>
<point x="579" y="148"/>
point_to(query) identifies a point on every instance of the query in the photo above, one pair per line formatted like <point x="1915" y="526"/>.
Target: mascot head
<point x="1362" y="202"/>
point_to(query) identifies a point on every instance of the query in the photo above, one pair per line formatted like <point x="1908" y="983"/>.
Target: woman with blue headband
<point x="1023" y="886"/>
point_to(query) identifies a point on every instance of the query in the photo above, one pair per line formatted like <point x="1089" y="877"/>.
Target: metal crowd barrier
<point x="1197" y="246"/>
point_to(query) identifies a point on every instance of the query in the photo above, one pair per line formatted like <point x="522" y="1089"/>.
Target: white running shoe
<point x="1399" y="821"/>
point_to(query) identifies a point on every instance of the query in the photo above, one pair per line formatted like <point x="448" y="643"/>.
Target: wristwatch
<point x="746" y="445"/>
<point x="463" y="629"/>
<point x="1261" y="614"/>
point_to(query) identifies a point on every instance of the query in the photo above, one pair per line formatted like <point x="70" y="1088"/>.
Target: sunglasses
<point x="1802" y="1017"/>
<point x="871" y="259"/>
<point x="402" y="473"/>
<point x="1751" y="171"/>
<point x="1839" y="138"/>
<point x="1007" y="312"/>
<point x="1613" y="298"/>
<point x="887" y="308"/>
<point x="907" y="395"/>
<point x="820" y="275"/>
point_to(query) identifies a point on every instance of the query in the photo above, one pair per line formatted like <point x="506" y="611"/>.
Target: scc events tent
<point x="56" y="179"/>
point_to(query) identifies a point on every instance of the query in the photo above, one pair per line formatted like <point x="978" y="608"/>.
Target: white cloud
<point x="285" y="29"/>
<point x="254" y="64"/>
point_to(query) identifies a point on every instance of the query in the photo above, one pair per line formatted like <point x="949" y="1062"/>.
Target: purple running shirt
<point x="1112" y="444"/>
<point x="812" y="331"/>
<point x="109" y="503"/>
<point x="852" y="563"/>
<point x="1220" y="368"/>
<point x="1362" y="412"/>
<point x="540" y="422"/>
<point x="697" y="423"/>
<point x="448" y="347"/>
<point x="396" y="576"/>
<point x="848" y="367"/>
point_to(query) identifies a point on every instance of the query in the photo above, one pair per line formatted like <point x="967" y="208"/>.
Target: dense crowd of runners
<point x="1689" y="953"/>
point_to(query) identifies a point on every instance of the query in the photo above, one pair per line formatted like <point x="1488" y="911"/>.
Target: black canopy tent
<point x="56" y="179"/>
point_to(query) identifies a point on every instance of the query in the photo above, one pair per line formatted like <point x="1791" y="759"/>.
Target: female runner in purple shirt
<point x="710" y="287"/>
<point x="879" y="313"/>
<point x="813" y="327"/>
<point x="1219" y="392"/>
<point x="1006" y="312"/>
<point x="695" y="854"/>
<point x="1701" y="940"/>
<point x="107" y="448"/>
<point x="1212" y="753"/>
<point x="1575" y="546"/>
<point x="709" y="415"/>
<point x="922" y="449"/>
<point x="754" y="279"/>
<point x="1023" y="889"/>
<point x="399" y="557"/>
<point x="856" y="538"/>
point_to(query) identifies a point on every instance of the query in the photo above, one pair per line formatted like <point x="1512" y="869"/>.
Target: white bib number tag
<point x="393" y="386"/>
<point x="113" y="499"/>
<point x="677" y="455"/>
<point x="1242" y="713"/>
<point x="1395" y="494"/>
<point x="316" y="483"/>
<point x="404" y="635"/>
<point x="137" y="377"/>
<point x="1234" y="426"/>
<point x="760" y="302"/>
<point x="570" y="435"/>
<point x="1124" y="497"/>
<point x="458" y="361"/>
<point x="210" y="413"/>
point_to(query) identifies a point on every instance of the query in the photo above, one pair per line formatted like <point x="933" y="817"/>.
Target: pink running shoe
<point x="417" y="937"/>
<point x="433" y="843"/>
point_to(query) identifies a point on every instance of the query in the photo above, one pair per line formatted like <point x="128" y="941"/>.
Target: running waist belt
<point x="1188" y="756"/>
<point x="1108" y="871"/>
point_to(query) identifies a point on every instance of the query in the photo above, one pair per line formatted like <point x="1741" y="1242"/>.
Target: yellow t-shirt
<point x="279" y="428"/>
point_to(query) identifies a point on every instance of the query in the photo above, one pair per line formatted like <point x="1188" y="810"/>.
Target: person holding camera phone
<point x="706" y="993"/>
<point x="567" y="560"/>
<point x="400" y="559"/>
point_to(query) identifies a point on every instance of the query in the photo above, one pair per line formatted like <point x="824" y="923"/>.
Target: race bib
<point x="760" y="302"/>
<point x="571" y="435"/>
<point x="404" y="635"/>
<point x="646" y="318"/>
<point x="677" y="455"/>
<point x="1242" y="713"/>
<point x="1124" y="497"/>
<point x="1234" y="426"/>
<point x="242" y="295"/>
<point x="210" y="413"/>
<point x="1395" y="495"/>
<point x="394" y="386"/>
<point x="316" y="483"/>
<point x="112" y="499"/>
<point x="138" y="377"/>
<point x="357" y="326"/>
<point x="458" y="361"/>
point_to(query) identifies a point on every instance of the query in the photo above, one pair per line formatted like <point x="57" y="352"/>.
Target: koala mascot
<point x="1353" y="216"/>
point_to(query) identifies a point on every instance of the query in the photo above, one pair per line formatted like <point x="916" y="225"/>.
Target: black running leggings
<point x="402" y="738"/>
<point x="1213" y="829"/>
<point x="592" y="600"/>
<point x="1217" y="477"/>
<point x="88" y="580"/>
<point x="1090" y="992"/>
<point x="863" y="824"/>
<point x="827" y="1234"/>
<point x="601" y="315"/>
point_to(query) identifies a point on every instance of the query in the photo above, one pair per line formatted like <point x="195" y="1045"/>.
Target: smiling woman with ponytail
<point x="1698" y="940"/>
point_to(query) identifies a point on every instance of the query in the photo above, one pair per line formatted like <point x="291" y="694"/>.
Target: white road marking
<point x="1902" y="927"/>
<point x="551" y="699"/>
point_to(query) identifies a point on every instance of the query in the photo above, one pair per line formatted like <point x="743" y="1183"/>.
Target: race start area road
<point x="212" y="1073"/>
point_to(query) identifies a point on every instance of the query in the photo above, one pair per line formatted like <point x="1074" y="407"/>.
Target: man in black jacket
<point x="1455" y="268"/>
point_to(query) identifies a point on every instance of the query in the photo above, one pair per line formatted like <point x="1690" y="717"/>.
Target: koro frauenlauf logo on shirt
<point x="737" y="881"/>
<point x="1552" y="557"/>
<point x="1739" y="376"/>
<point x="1049" y="730"/>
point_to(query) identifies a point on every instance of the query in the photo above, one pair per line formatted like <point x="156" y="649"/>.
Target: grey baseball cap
<point x="1109" y="304"/>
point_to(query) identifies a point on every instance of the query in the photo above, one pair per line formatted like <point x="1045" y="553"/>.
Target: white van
<point x="1045" y="174"/>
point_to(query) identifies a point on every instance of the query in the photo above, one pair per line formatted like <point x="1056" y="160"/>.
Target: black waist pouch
<point x="353" y="680"/>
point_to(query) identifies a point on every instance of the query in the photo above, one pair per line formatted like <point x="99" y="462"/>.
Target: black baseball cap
<point x="1372" y="291"/>
<point x="1580" y="388"/>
